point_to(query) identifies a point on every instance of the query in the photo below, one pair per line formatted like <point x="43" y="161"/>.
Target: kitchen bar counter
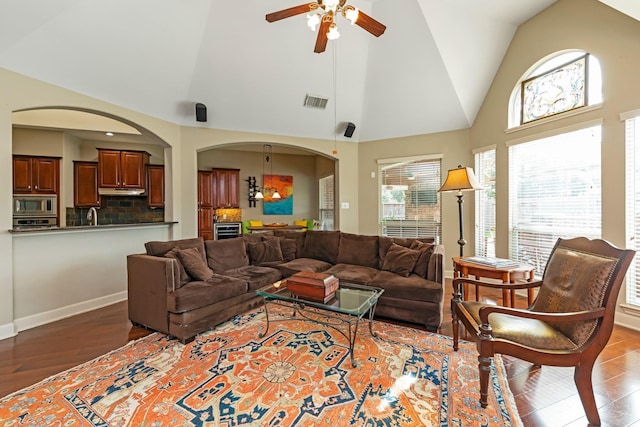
<point x="98" y="227"/>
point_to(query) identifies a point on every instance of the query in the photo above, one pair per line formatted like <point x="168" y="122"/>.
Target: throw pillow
<point x="422" y="265"/>
<point x="255" y="223"/>
<point x="194" y="264"/>
<point x="184" y="276"/>
<point x="400" y="260"/>
<point x="289" y="248"/>
<point x="266" y="251"/>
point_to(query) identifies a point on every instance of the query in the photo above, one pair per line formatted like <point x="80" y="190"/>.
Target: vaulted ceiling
<point x="429" y="72"/>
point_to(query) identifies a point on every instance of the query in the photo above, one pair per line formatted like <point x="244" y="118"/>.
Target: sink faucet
<point x="92" y="216"/>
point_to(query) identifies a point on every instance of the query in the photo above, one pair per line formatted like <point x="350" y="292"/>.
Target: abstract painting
<point x="284" y="185"/>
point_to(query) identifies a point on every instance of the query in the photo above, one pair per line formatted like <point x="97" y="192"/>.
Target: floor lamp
<point x="460" y="179"/>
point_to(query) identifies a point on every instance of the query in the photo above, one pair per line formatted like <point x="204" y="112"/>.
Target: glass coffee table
<point x="344" y="311"/>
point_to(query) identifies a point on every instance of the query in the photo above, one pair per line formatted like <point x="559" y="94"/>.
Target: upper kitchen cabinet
<point x="226" y="188"/>
<point x="122" y="169"/>
<point x="155" y="186"/>
<point x="85" y="184"/>
<point x="39" y="175"/>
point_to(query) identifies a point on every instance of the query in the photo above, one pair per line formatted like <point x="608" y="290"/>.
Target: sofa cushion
<point x="351" y="273"/>
<point x="194" y="264"/>
<point x="184" y="276"/>
<point x="358" y="250"/>
<point x="157" y="248"/>
<point x="226" y="254"/>
<point x="400" y="260"/>
<point x="255" y="276"/>
<point x="422" y="264"/>
<point x="265" y="251"/>
<point x="302" y="264"/>
<point x="322" y="245"/>
<point x="198" y="294"/>
<point x="412" y="288"/>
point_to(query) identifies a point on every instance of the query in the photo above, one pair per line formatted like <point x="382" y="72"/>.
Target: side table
<point x="507" y="275"/>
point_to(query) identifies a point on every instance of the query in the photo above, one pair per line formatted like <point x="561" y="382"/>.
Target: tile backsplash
<point x="117" y="210"/>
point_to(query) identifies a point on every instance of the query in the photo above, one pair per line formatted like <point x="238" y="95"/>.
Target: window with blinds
<point x="485" y="171"/>
<point x="409" y="198"/>
<point x="554" y="191"/>
<point x="326" y="192"/>
<point x="632" y="130"/>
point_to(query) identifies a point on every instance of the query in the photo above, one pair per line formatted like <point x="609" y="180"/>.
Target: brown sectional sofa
<point x="187" y="286"/>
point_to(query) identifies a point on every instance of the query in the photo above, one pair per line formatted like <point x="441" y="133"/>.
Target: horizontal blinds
<point x="327" y="202"/>
<point x="409" y="198"/>
<point x="554" y="191"/>
<point x="485" y="232"/>
<point x="632" y="141"/>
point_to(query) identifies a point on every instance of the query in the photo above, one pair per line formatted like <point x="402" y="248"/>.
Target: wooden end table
<point x="507" y="275"/>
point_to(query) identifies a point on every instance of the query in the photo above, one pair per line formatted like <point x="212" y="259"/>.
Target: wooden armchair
<point x="568" y="324"/>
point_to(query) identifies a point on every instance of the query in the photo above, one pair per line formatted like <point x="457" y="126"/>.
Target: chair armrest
<point x="574" y="316"/>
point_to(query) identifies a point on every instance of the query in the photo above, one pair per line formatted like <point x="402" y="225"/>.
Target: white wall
<point x="58" y="274"/>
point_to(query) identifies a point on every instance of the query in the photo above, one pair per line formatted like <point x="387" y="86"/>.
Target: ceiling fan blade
<point x="292" y="11"/>
<point x="368" y="23"/>
<point x="321" y="41"/>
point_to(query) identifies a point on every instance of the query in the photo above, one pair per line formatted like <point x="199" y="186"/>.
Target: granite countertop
<point x="86" y="227"/>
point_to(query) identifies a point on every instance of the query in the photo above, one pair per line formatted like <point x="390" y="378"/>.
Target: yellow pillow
<point x="255" y="223"/>
<point x="302" y="222"/>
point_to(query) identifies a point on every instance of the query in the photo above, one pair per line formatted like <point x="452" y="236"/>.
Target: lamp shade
<point x="460" y="179"/>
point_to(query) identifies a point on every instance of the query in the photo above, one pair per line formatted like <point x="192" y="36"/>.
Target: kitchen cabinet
<point x="85" y="184"/>
<point x="36" y="175"/>
<point x="205" y="204"/>
<point x="155" y="186"/>
<point x="226" y="188"/>
<point x="122" y="169"/>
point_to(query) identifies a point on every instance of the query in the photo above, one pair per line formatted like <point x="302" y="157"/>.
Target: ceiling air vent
<point x="311" y="101"/>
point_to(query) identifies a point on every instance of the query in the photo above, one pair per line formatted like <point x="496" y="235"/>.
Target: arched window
<point x="556" y="84"/>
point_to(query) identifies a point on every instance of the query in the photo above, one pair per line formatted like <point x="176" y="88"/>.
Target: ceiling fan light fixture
<point x="351" y="14"/>
<point x="330" y="4"/>
<point x="333" y="33"/>
<point x="313" y="21"/>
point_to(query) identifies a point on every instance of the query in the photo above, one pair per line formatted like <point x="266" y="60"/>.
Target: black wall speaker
<point x="350" y="129"/>
<point x="201" y="112"/>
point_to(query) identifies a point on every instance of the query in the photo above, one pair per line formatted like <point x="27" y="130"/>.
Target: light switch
<point x="373" y="174"/>
<point x="344" y="205"/>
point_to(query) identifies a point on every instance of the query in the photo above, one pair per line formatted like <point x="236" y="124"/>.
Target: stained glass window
<point x="558" y="90"/>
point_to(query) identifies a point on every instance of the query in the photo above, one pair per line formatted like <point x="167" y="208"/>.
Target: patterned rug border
<point x="498" y="382"/>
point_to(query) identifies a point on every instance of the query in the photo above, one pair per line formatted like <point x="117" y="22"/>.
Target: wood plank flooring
<point x="545" y="396"/>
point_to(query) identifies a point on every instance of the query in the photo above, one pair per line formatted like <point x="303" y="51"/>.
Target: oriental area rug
<point x="299" y="374"/>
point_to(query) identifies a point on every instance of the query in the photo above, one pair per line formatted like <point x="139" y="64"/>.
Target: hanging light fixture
<point x="267" y="158"/>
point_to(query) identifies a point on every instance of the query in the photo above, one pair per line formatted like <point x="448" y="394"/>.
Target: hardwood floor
<point x="545" y="397"/>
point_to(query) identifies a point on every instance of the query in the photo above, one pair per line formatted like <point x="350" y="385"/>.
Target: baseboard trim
<point x="39" y="319"/>
<point x="7" y="331"/>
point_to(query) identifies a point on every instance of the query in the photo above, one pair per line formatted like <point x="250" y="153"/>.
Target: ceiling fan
<point x="323" y="13"/>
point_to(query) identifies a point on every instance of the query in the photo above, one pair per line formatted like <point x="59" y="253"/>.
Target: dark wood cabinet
<point x="39" y="175"/>
<point x="226" y="188"/>
<point x="122" y="169"/>
<point x="85" y="184"/>
<point x="155" y="186"/>
<point x="205" y="204"/>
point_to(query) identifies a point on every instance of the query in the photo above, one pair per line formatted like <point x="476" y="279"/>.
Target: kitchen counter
<point x="87" y="227"/>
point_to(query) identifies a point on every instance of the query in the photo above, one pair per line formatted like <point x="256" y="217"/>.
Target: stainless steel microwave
<point x="29" y="205"/>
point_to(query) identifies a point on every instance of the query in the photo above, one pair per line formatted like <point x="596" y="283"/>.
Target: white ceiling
<point x="429" y="71"/>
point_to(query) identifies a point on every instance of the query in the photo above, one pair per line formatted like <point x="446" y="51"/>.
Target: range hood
<point x="121" y="191"/>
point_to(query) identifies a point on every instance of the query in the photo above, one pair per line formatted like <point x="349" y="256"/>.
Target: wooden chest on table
<point x="310" y="286"/>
